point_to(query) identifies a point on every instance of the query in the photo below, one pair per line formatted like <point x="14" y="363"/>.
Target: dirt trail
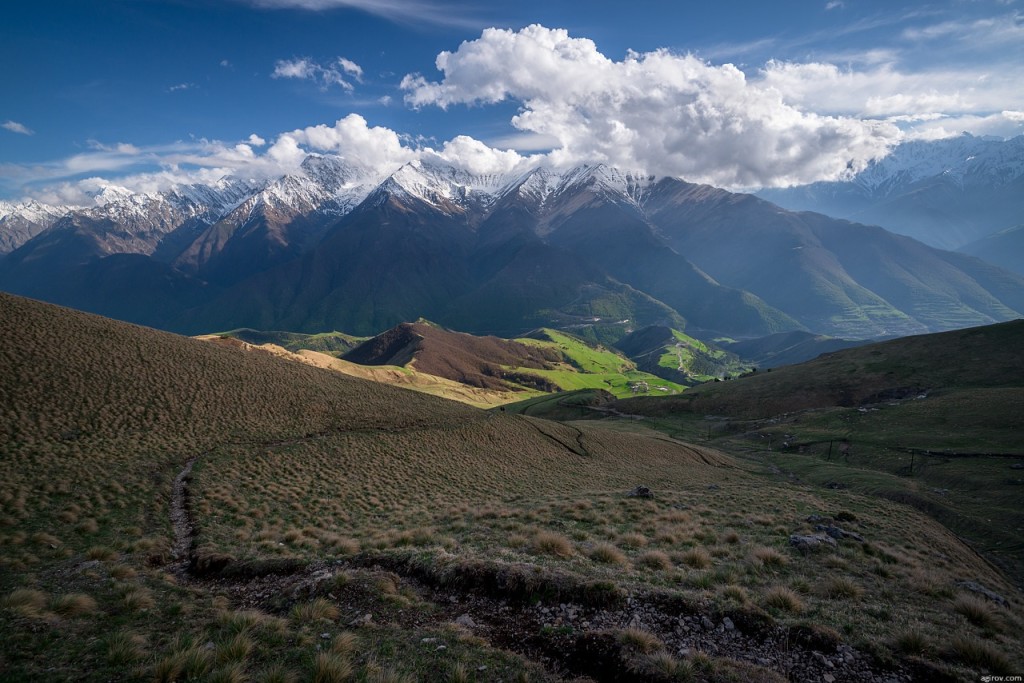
<point x="181" y="520"/>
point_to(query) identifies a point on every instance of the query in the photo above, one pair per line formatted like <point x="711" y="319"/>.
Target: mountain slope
<point x="835" y="277"/>
<point x="1004" y="249"/>
<point x="945" y="193"/>
<point x="787" y="348"/>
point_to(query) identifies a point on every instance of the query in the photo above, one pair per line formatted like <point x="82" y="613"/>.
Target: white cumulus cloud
<point x="661" y="112"/>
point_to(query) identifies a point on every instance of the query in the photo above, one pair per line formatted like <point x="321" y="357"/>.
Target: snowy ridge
<point x="610" y="182"/>
<point x="21" y="222"/>
<point x="965" y="159"/>
<point x="445" y="187"/>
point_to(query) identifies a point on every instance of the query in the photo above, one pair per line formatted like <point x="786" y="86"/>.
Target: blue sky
<point x="151" y="92"/>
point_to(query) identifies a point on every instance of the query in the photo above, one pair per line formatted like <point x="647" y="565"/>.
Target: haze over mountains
<point x="337" y="246"/>
<point x="946" y="193"/>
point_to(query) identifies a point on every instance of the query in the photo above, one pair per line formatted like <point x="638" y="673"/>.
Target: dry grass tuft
<point x="331" y="667"/>
<point x="654" y="559"/>
<point x="345" y="643"/>
<point x="278" y="674"/>
<point x="698" y="558"/>
<point x="236" y="649"/>
<point x="550" y="543"/>
<point x="912" y="643"/>
<point x="841" y="587"/>
<point x="317" y="609"/>
<point x="980" y="654"/>
<point x="784" y="599"/>
<point x="607" y="553"/>
<point x="137" y="599"/>
<point x="74" y="605"/>
<point x="458" y="674"/>
<point x="230" y="673"/>
<point x="978" y="611"/>
<point x="124" y="648"/>
<point x="640" y="640"/>
<point x="768" y="557"/>
<point x="27" y="602"/>
<point x="633" y="540"/>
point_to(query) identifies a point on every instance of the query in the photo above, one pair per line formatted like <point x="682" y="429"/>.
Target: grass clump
<point x="635" y="638"/>
<point x="784" y="599"/>
<point x="315" y="610"/>
<point x="977" y="611"/>
<point x="840" y="587"/>
<point x="768" y="557"/>
<point x="549" y="543"/>
<point x="330" y="667"/>
<point x="912" y="643"/>
<point x="654" y="559"/>
<point x="607" y="553"/>
<point x="980" y="654"/>
<point x="697" y="558"/>
<point x="74" y="605"/>
<point x="27" y="602"/>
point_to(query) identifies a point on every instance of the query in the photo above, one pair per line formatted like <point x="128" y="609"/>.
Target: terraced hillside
<point x="179" y="510"/>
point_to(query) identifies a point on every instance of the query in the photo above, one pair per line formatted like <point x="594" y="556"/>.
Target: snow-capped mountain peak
<point x="965" y="159"/>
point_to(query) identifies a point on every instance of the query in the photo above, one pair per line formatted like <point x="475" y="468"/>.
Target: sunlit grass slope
<point x="318" y="499"/>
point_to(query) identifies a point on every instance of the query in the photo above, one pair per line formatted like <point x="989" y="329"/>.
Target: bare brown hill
<point x="465" y="358"/>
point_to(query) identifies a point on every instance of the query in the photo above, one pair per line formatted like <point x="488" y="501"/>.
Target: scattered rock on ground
<point x="838" y="533"/>
<point x="811" y="543"/>
<point x="641" y="492"/>
<point x="976" y="587"/>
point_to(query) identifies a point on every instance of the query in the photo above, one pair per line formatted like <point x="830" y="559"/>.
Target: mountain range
<point x="593" y="249"/>
<point x="946" y="193"/>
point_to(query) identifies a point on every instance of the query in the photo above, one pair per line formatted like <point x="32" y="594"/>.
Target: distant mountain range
<point x="593" y="250"/>
<point x="946" y="193"/>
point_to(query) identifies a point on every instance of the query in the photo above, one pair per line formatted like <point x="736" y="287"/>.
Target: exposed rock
<point x="975" y="587"/>
<point x="838" y="533"/>
<point x="641" y="492"/>
<point x="466" y="620"/>
<point x="812" y="543"/>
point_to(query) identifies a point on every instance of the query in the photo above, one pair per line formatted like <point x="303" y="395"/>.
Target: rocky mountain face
<point x="593" y="249"/>
<point x="945" y="193"/>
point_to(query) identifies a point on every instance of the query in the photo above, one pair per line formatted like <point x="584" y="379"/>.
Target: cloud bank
<point x="376" y="150"/>
<point x="660" y="112"/>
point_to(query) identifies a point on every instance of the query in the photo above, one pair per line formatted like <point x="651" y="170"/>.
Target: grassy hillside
<point x="932" y="421"/>
<point x="676" y="356"/>
<point x="547" y="361"/>
<point x="587" y="366"/>
<point x="331" y="343"/>
<point x="910" y="366"/>
<point x="180" y="510"/>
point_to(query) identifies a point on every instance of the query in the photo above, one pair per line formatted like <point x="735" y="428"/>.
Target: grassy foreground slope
<point x="177" y="510"/>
